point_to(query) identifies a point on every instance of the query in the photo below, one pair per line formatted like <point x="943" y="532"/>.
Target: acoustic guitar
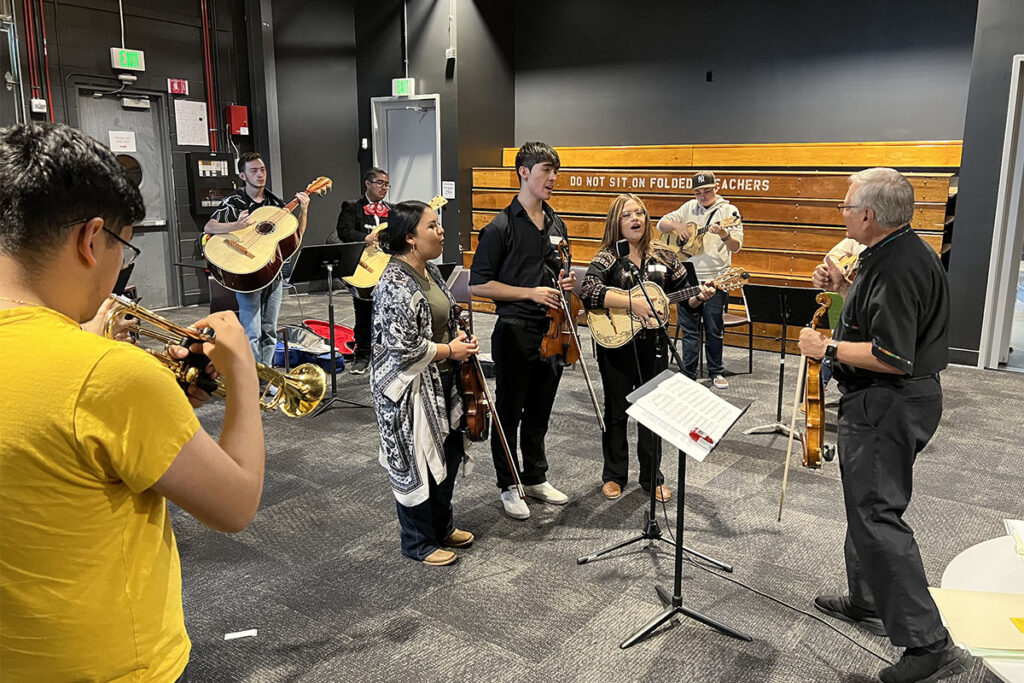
<point x="695" y="243"/>
<point x="248" y="259"/>
<point x="374" y="259"/>
<point x="614" y="327"/>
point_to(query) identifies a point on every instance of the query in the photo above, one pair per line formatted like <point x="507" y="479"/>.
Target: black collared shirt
<point x="238" y="201"/>
<point x="514" y="252"/>
<point x="899" y="302"/>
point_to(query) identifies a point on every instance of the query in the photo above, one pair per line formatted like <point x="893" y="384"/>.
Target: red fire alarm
<point x="237" y="117"/>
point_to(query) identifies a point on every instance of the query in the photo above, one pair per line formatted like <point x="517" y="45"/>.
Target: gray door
<point x="153" y="276"/>
<point x="407" y="144"/>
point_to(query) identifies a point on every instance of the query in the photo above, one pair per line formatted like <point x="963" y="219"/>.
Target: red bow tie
<point x="377" y="209"/>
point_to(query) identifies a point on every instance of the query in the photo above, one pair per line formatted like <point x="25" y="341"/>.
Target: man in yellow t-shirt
<point x="96" y="435"/>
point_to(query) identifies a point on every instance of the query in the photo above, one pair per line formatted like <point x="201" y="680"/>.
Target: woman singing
<point x="415" y="384"/>
<point x="627" y="367"/>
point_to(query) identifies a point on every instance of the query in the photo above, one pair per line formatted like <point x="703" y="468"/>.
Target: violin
<point x="562" y="340"/>
<point x="812" y="439"/>
<point x="478" y="405"/>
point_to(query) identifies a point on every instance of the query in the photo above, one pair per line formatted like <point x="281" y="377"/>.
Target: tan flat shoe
<point x="663" y="493"/>
<point x="440" y="558"/>
<point x="611" y="490"/>
<point x="459" y="539"/>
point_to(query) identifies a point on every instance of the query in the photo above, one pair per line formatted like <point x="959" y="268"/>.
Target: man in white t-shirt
<point x="704" y="214"/>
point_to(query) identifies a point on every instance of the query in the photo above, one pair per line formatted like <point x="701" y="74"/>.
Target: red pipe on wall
<point x="30" y="42"/>
<point x="46" y="60"/>
<point x="208" y="77"/>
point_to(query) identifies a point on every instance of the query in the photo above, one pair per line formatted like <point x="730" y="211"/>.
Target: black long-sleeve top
<point x="663" y="268"/>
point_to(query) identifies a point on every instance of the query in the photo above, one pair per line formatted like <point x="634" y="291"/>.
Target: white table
<point x="993" y="566"/>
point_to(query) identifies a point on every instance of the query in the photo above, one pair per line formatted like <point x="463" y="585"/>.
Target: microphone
<point x="622" y="249"/>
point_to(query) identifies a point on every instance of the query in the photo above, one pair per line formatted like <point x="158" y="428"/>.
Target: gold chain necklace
<point x="21" y="302"/>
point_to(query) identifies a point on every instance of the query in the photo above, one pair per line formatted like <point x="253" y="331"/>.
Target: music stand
<point x="318" y="261"/>
<point x="779" y="306"/>
<point x="674" y="603"/>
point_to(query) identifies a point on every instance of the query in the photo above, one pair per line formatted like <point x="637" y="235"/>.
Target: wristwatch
<point x="830" y="350"/>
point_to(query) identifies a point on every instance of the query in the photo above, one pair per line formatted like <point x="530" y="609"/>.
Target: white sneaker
<point x="546" y="492"/>
<point x="515" y="506"/>
<point x="720" y="382"/>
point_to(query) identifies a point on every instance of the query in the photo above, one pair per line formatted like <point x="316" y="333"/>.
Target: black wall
<point x="315" y="54"/>
<point x="999" y="36"/>
<point x="477" y="106"/>
<point x="595" y="72"/>
<point x="80" y="35"/>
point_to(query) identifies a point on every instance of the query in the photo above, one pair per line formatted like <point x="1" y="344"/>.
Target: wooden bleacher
<point x="786" y="193"/>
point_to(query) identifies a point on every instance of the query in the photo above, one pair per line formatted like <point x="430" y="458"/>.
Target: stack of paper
<point x="684" y="413"/>
<point x="987" y="624"/>
<point x="1015" y="528"/>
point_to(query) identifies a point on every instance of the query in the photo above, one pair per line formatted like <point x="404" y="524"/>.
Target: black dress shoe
<point x="927" y="668"/>
<point x="840" y="607"/>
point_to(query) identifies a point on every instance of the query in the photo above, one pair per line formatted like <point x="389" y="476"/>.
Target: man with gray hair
<point x="887" y="351"/>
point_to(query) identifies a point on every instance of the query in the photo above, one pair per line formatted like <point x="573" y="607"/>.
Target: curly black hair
<point x="53" y="176"/>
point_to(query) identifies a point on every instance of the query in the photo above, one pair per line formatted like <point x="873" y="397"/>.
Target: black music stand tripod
<point x="317" y="261"/>
<point x="779" y="306"/>
<point x="674" y="603"/>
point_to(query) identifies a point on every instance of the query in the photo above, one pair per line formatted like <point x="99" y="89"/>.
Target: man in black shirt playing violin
<point x="887" y="352"/>
<point x="516" y="265"/>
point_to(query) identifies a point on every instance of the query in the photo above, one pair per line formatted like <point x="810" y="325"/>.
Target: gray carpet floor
<point x="319" y="574"/>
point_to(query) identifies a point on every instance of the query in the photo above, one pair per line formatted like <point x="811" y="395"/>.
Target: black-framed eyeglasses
<point x="129" y="252"/>
<point x="380" y="183"/>
<point x="844" y="207"/>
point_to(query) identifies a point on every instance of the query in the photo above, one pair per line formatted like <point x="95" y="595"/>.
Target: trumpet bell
<point x="296" y="393"/>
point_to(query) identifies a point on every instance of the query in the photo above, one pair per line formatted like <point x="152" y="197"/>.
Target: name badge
<point x="657" y="268"/>
<point x="555" y="239"/>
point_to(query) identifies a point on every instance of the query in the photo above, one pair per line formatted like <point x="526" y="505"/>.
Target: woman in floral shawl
<point x="416" y="344"/>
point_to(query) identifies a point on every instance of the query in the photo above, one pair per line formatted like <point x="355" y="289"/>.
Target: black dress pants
<point x="363" y="309"/>
<point x="525" y="388"/>
<point x="882" y="428"/>
<point x="620" y="375"/>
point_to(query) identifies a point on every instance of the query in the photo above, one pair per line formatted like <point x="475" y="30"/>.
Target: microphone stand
<point x="652" y="531"/>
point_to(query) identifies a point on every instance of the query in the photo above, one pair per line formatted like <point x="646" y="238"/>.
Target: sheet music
<point x="678" y="405"/>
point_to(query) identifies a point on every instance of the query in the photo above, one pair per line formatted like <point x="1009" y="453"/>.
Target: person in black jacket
<point x="625" y="368"/>
<point x="356" y="221"/>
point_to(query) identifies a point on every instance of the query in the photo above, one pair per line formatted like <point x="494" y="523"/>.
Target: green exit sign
<point x="127" y="60"/>
<point x="403" y="87"/>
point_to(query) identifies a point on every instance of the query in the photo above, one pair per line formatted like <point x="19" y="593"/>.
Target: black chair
<point x="728" y="320"/>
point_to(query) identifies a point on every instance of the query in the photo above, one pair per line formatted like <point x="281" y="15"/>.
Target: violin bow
<point x="492" y="408"/>
<point x="801" y="378"/>
<point x="801" y="375"/>
<point x="567" y="311"/>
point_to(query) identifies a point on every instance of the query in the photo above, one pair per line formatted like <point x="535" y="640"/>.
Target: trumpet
<point x="296" y="393"/>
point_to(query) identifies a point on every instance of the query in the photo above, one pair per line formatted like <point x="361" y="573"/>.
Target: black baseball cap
<point x="703" y="179"/>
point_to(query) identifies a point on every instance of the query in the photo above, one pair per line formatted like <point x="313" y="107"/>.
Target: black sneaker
<point x="927" y="668"/>
<point x="359" y="366"/>
<point x="839" y="606"/>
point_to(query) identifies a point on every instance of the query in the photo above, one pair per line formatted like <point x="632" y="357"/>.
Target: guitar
<point x="374" y="260"/>
<point x="693" y="245"/>
<point x="614" y="327"/>
<point x="248" y="259"/>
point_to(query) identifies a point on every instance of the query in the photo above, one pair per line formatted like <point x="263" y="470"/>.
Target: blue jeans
<point x="257" y="311"/>
<point x="689" y="319"/>
<point x="426" y="525"/>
